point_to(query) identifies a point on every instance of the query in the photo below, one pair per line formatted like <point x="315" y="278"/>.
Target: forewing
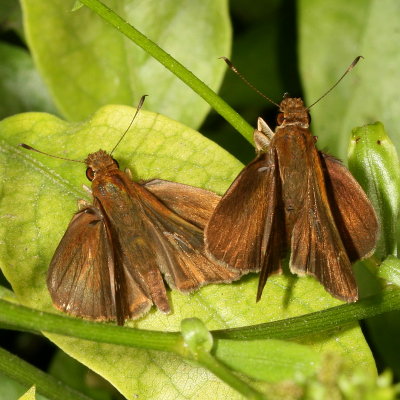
<point x="316" y="246"/>
<point x="135" y="243"/>
<point x="239" y="231"/>
<point x="80" y="274"/>
<point x="178" y="245"/>
<point x="191" y="203"/>
<point x="83" y="272"/>
<point x="353" y="213"/>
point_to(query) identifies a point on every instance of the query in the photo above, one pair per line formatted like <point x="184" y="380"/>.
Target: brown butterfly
<point x="294" y="197"/>
<point x="111" y="260"/>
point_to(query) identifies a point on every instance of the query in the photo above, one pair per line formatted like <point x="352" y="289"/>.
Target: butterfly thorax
<point x="293" y="112"/>
<point x="298" y="163"/>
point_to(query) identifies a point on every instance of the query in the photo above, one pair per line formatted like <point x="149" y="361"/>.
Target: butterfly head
<point x="99" y="161"/>
<point x="293" y="112"/>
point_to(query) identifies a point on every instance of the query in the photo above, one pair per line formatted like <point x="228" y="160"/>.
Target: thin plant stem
<point x="304" y="325"/>
<point x="225" y="374"/>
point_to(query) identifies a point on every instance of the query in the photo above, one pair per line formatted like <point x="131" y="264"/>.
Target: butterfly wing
<point x="316" y="246"/>
<point x="242" y="230"/>
<point x="82" y="273"/>
<point x="353" y="213"/>
<point x="191" y="203"/>
<point x="180" y="243"/>
<point x="151" y="239"/>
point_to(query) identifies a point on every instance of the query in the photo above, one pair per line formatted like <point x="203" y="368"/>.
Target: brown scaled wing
<point x="81" y="278"/>
<point x="353" y="213"/>
<point x="245" y="230"/>
<point x="127" y="240"/>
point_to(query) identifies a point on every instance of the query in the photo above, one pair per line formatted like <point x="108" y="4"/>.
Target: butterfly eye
<point x="89" y="174"/>
<point x="116" y="162"/>
<point x="280" y="118"/>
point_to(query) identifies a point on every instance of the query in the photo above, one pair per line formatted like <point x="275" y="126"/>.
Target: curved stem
<point x="331" y="318"/>
<point x="225" y="374"/>
<point x="21" y="317"/>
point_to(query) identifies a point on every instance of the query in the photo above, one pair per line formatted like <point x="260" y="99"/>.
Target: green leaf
<point x="39" y="197"/>
<point x="21" y="88"/>
<point x="390" y="270"/>
<point x="332" y="34"/>
<point x="88" y="63"/>
<point x="374" y="163"/>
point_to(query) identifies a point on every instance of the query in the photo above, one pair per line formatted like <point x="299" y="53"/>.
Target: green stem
<point x="27" y="375"/>
<point x="22" y="317"/>
<point x="174" y="66"/>
<point x="218" y="369"/>
<point x="37" y="321"/>
<point x="331" y="318"/>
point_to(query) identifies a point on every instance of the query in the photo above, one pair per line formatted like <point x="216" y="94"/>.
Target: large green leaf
<point x="86" y="63"/>
<point x="332" y="34"/>
<point x="39" y="196"/>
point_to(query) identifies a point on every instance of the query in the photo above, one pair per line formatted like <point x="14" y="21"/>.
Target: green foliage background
<point x="75" y="66"/>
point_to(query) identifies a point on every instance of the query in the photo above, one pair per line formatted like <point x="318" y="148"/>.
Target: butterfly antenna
<point x="234" y="69"/>
<point x="349" y="68"/>
<point x="140" y="105"/>
<point x="26" y="146"/>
